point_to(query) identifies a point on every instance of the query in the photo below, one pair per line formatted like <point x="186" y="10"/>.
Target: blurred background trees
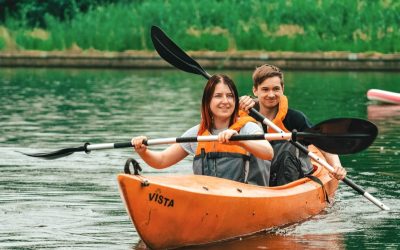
<point x="219" y="25"/>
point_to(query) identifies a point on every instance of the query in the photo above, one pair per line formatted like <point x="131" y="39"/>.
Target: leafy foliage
<point x="274" y="25"/>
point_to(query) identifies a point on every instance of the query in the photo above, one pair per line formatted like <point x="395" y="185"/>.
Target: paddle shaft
<point x="350" y="183"/>
<point x="209" y="138"/>
<point x="310" y="136"/>
<point x="258" y="116"/>
<point x="172" y="140"/>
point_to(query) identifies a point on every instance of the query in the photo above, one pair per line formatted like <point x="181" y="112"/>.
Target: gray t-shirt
<point x="190" y="147"/>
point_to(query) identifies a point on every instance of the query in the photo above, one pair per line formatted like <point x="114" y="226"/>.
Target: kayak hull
<point x="177" y="211"/>
<point x="383" y="96"/>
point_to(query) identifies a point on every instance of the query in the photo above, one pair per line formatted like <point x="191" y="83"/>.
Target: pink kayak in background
<point x="383" y="96"/>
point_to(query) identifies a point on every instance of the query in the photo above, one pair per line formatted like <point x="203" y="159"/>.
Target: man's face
<point x="269" y="92"/>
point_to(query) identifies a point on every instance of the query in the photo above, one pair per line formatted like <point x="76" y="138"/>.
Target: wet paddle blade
<point x="343" y="135"/>
<point x="56" y="154"/>
<point x="171" y="53"/>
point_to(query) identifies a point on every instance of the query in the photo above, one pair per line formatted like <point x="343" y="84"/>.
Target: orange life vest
<point x="219" y="147"/>
<point x="229" y="161"/>
<point x="280" y="116"/>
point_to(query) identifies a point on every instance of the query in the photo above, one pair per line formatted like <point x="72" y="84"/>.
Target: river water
<point x="73" y="202"/>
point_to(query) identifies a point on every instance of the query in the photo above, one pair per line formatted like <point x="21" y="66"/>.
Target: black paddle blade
<point x="342" y="135"/>
<point x="171" y="53"/>
<point x="57" y="154"/>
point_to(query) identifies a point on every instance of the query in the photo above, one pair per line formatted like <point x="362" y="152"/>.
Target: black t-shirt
<point x="294" y="119"/>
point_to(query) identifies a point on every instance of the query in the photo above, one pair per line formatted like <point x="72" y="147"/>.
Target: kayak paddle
<point x="171" y="52"/>
<point x="359" y="137"/>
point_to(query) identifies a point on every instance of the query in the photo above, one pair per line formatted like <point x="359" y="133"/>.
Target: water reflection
<point x="274" y="241"/>
<point x="386" y="113"/>
<point x="387" y="118"/>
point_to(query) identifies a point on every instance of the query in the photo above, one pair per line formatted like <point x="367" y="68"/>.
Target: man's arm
<point x="334" y="161"/>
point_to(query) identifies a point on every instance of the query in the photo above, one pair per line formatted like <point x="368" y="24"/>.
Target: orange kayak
<point x="176" y="211"/>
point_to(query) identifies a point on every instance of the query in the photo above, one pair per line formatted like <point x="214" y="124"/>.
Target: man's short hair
<point x="264" y="72"/>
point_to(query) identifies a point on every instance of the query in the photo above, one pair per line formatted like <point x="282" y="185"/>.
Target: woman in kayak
<point x="236" y="160"/>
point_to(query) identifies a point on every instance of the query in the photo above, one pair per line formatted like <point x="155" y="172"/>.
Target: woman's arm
<point x="159" y="159"/>
<point x="260" y="149"/>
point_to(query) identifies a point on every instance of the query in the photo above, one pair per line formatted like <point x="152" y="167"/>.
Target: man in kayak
<point x="288" y="163"/>
<point x="236" y="160"/>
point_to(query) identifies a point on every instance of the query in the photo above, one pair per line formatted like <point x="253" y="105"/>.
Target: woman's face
<point x="222" y="102"/>
<point x="269" y="92"/>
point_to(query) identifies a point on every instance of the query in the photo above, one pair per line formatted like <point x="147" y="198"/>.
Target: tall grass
<point x="274" y="25"/>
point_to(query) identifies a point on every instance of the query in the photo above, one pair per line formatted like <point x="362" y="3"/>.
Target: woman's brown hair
<point x="206" y="114"/>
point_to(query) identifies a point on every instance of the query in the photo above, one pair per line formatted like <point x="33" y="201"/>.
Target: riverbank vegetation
<point x="274" y="25"/>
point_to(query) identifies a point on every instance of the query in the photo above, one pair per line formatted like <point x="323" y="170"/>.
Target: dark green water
<point x="73" y="202"/>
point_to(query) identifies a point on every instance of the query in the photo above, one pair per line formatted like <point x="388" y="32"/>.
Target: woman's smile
<point x="223" y="102"/>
